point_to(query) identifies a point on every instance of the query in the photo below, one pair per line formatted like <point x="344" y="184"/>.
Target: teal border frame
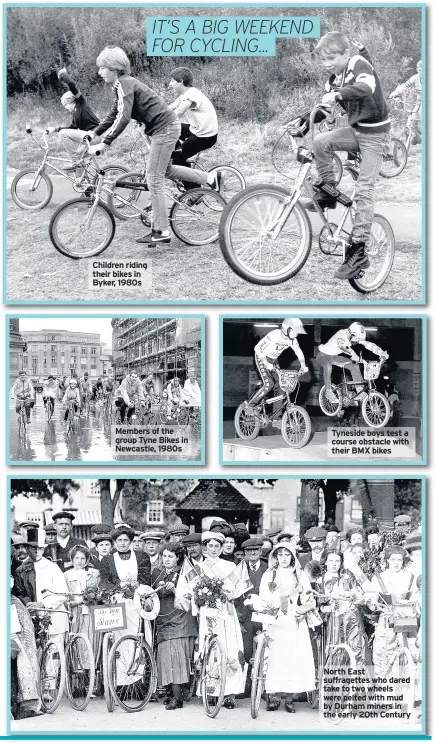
<point x="111" y="463"/>
<point x="358" y="300"/>
<point x="332" y="463"/>
<point x="234" y="735"/>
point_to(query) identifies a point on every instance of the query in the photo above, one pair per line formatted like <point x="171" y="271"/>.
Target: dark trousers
<point x="126" y="412"/>
<point x="188" y="146"/>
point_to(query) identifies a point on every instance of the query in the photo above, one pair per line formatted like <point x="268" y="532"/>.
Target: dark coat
<point x="109" y="577"/>
<point x="25" y="582"/>
<point x="248" y="627"/>
<point x="60" y="555"/>
<point x="171" y="623"/>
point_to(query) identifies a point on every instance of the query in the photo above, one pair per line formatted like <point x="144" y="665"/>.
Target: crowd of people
<point x="134" y="390"/>
<point x="349" y="585"/>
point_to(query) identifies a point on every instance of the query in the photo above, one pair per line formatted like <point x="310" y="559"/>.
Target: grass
<point x="37" y="272"/>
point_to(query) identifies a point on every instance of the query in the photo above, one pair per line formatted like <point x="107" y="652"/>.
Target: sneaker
<point x="154" y="238"/>
<point x="322" y="199"/>
<point x="330" y="396"/>
<point x="356" y="260"/>
<point x="216" y="185"/>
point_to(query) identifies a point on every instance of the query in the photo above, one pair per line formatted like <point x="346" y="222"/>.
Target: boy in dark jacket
<point x="354" y="84"/>
<point x="83" y="119"/>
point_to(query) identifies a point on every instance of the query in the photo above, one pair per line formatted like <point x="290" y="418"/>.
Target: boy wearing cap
<point x="151" y="546"/>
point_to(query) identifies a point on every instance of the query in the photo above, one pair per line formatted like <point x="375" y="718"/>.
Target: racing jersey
<point x="274" y="343"/>
<point x="340" y="342"/>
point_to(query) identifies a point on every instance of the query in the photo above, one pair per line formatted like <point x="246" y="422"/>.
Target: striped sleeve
<point x="120" y="115"/>
<point x="364" y="83"/>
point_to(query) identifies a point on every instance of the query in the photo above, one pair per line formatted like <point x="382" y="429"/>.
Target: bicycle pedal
<point x="276" y="424"/>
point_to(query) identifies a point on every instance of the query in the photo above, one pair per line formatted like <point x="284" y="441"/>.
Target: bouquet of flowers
<point x="127" y="588"/>
<point x="209" y="593"/>
<point x="91" y="595"/>
<point x="41" y="624"/>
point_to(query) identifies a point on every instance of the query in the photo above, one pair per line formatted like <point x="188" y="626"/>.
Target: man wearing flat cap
<point x="176" y="533"/>
<point x="62" y="521"/>
<point x="315" y="536"/>
<point x="402" y="522"/>
<point x="192" y="544"/>
<point x="151" y="546"/>
<point x="256" y="568"/>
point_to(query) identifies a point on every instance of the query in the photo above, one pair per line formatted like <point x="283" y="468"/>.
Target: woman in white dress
<point x="287" y="590"/>
<point x="80" y="578"/>
<point x="227" y="626"/>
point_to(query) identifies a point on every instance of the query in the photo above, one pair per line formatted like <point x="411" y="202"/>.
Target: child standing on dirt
<point x="406" y="89"/>
<point x="354" y="84"/>
<point x="83" y="119"/>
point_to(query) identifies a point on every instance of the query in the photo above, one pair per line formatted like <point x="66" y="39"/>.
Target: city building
<point x="162" y="346"/>
<point x="64" y="352"/>
<point x="17" y="349"/>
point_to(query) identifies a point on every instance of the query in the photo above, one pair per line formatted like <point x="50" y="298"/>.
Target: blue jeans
<point x="372" y="146"/>
<point x="160" y="167"/>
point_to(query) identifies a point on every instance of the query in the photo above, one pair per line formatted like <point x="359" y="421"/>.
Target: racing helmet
<point x="293" y="323"/>
<point x="358" y="331"/>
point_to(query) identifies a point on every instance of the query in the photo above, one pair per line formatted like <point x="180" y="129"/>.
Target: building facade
<point x="17" y="349"/>
<point x="162" y="346"/>
<point x="62" y="353"/>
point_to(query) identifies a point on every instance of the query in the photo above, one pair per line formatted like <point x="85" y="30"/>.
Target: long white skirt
<point x="290" y="667"/>
<point x="230" y="635"/>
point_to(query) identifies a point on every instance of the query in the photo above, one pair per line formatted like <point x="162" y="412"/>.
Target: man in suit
<point x="59" y="551"/>
<point x="256" y="568"/>
<point x="316" y="539"/>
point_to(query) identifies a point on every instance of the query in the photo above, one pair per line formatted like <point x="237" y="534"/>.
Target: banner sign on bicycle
<point x="238" y="36"/>
<point x="108" y="618"/>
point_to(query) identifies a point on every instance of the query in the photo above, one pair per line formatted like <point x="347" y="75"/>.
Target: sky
<point x="99" y="325"/>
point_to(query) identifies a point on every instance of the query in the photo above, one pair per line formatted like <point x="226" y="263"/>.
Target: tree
<point x="137" y="493"/>
<point x="108" y="502"/>
<point x="43" y="489"/>
<point x="309" y="509"/>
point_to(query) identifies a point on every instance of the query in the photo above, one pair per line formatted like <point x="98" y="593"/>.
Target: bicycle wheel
<point x="22" y="425"/>
<point x="247" y="422"/>
<point x="127" y="203"/>
<point x="380" y="250"/>
<point x="296" y="427"/>
<point x="331" y="408"/>
<point x="80" y="671"/>
<point x="248" y="242"/>
<point x="107" y="646"/>
<point x="51" y="677"/>
<point x="258" y="676"/>
<point x="72" y="236"/>
<point x="375" y="410"/>
<point x="231" y="181"/>
<point x="49" y="410"/>
<point x="214" y="677"/>
<point x="338" y="657"/>
<point x="195" y="216"/>
<point x="31" y="190"/>
<point x="395" y="160"/>
<point x="403" y="668"/>
<point x="163" y="413"/>
<point x="132" y="673"/>
<point x="182" y="417"/>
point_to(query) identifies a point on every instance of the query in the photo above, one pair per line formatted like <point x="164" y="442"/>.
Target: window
<point x="34" y="365"/>
<point x="73" y="349"/>
<point x="95" y="490"/>
<point x="53" y="338"/>
<point x="155" y="512"/>
<point x="84" y="350"/>
<point x="72" y="363"/>
<point x="25" y="360"/>
<point x="53" y="370"/>
<point x="54" y="360"/>
<point x="34" y="516"/>
<point x="45" y="363"/>
<point x="277" y="516"/>
<point x="356" y="513"/>
<point x="93" y="350"/>
<point x="53" y="349"/>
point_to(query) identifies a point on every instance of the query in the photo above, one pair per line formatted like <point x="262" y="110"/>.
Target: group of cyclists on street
<point x="189" y="125"/>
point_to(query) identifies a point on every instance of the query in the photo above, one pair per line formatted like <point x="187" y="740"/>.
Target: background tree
<point x="44" y="489"/>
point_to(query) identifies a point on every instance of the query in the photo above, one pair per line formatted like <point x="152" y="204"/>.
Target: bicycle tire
<point x="182" y="417"/>
<point x="235" y="228"/>
<point x="290" y="432"/>
<point x="22" y="426"/>
<point x="128" y="203"/>
<point x="74" y="213"/>
<point x="218" y="664"/>
<point x="395" y="161"/>
<point x="57" y="675"/>
<point x="331" y="409"/>
<point x="139" y="689"/>
<point x="163" y="413"/>
<point x="79" y="679"/>
<point x="381" y="238"/>
<point x="398" y="668"/>
<point x="258" y="676"/>
<point x="380" y="418"/>
<point x="232" y="181"/>
<point x="42" y="200"/>
<point x="106" y="648"/>
<point x="335" y="658"/>
<point x="49" y="410"/>
<point x="195" y="216"/>
<point x="246" y="430"/>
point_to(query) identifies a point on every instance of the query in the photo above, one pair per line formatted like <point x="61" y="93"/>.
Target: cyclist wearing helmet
<point x="269" y="349"/>
<point x="329" y="355"/>
<point x="72" y="393"/>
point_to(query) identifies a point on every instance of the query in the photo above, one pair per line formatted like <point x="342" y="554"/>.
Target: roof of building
<point x="215" y="495"/>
